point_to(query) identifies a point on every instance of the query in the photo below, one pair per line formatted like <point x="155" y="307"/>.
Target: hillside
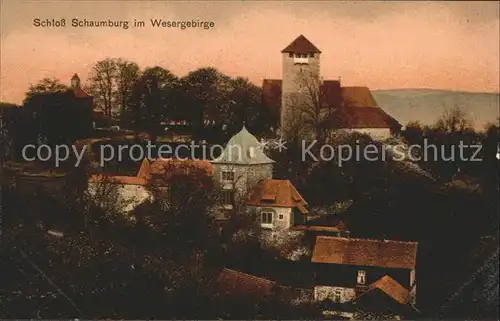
<point x="427" y="105"/>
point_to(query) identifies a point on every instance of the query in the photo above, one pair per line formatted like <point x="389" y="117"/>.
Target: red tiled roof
<point x="277" y="193"/>
<point x="144" y="170"/>
<point x="301" y="45"/>
<point x="363" y="252"/>
<point x="230" y="282"/>
<point x="314" y="228"/>
<point x="158" y="167"/>
<point x="390" y="287"/>
<point x="364" y="117"/>
<point x="80" y="93"/>
<point x="161" y="165"/>
<point x="360" y="108"/>
<point x="125" y="180"/>
<point x="358" y="97"/>
<point x="271" y="91"/>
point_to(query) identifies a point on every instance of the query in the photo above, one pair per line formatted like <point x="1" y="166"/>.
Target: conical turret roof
<point x="243" y="149"/>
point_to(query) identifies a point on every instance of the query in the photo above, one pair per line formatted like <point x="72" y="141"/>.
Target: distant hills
<point x="427" y="105"/>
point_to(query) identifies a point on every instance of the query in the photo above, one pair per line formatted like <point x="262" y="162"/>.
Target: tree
<point x="58" y="117"/>
<point x="46" y="85"/>
<point x="314" y="108"/>
<point x="153" y="99"/>
<point x="17" y="130"/>
<point x="413" y="132"/>
<point x="102" y="84"/>
<point x="247" y="108"/>
<point x="455" y="119"/>
<point x="205" y="90"/>
<point x="183" y="198"/>
<point x="127" y="76"/>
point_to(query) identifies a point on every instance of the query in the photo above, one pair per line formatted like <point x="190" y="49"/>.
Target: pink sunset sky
<point x="382" y="45"/>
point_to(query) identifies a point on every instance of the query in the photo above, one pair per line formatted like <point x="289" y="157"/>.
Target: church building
<point x="354" y="108"/>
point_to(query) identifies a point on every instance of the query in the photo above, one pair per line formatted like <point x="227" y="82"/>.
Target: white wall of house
<point x="375" y="133"/>
<point x="413" y="287"/>
<point x="130" y="195"/>
<point x="322" y="293"/>
<point x="245" y="176"/>
<point x="282" y="217"/>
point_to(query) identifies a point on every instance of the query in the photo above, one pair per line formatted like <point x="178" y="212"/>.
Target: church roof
<point x="301" y="45"/>
<point x="362" y="109"/>
<point x="75" y="76"/>
<point x="243" y="149"/>
<point x="80" y="93"/>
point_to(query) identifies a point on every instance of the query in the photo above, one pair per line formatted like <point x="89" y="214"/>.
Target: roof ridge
<point x="250" y="275"/>
<point x="363" y="239"/>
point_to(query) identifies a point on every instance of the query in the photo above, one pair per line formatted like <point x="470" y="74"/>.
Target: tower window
<point x="361" y="277"/>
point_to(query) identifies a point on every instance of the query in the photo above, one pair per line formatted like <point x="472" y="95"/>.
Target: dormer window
<point x="361" y="277"/>
<point x="251" y="152"/>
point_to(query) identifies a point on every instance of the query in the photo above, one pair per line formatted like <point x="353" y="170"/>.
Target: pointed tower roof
<point x="75" y="76"/>
<point x="301" y="45"/>
<point x="243" y="149"/>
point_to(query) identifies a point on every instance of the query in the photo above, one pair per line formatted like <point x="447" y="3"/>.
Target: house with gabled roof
<point x="235" y="283"/>
<point x="277" y="204"/>
<point x="355" y="107"/>
<point x="133" y="190"/>
<point x="347" y="268"/>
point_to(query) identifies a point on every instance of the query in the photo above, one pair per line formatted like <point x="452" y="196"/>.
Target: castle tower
<point x="75" y="81"/>
<point x="300" y="68"/>
<point x="240" y="167"/>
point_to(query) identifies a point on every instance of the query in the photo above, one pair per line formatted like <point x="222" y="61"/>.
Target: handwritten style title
<point x="124" y="24"/>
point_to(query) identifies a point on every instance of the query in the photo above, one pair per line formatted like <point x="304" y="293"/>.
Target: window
<point x="281" y="216"/>
<point x="311" y="55"/>
<point x="228" y="176"/>
<point x="228" y="197"/>
<point x="266" y="218"/>
<point x="251" y="152"/>
<point x="337" y="295"/>
<point x="290" y="55"/>
<point x="361" y="277"/>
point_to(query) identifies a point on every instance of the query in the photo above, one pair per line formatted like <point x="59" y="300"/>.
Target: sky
<point x="382" y="45"/>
